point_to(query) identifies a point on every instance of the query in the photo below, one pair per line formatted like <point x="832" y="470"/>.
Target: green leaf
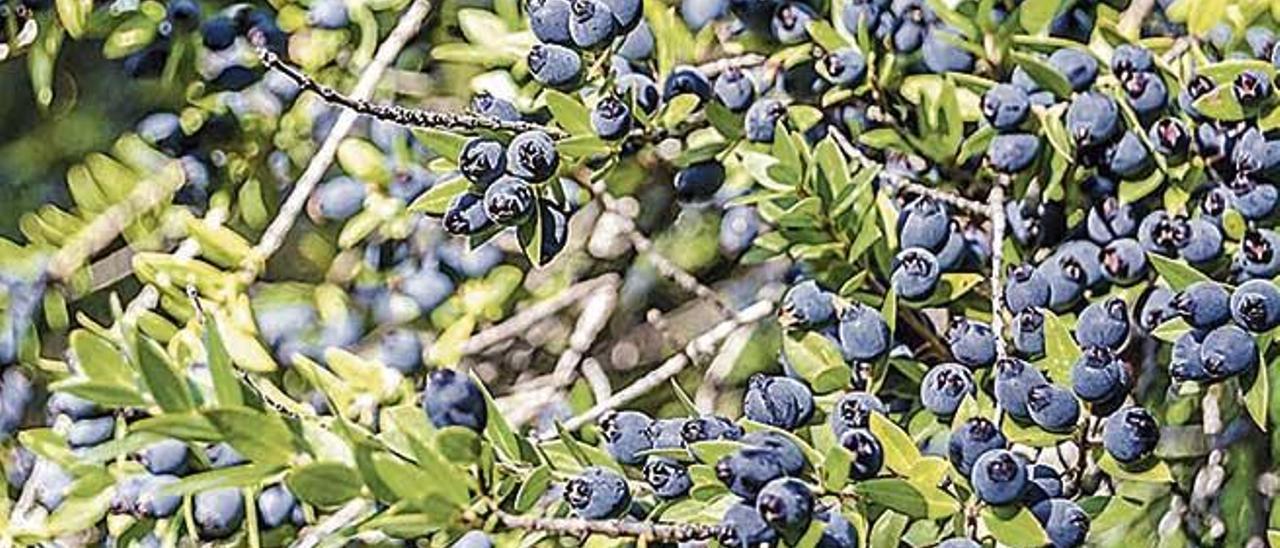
<point x="532" y="488"/>
<point x="104" y="394"/>
<point x="1035" y="15"/>
<point x="671" y="37"/>
<point x="496" y="430"/>
<point x="1256" y="397"/>
<point x="1204" y="16"/>
<point x="445" y="143"/>
<point x="1060" y="348"/>
<point x="186" y="426"/>
<point x="79" y="513"/>
<point x="1014" y="526"/>
<point x="1170" y="330"/>
<point x="260" y="437"/>
<point x="1044" y="74"/>
<point x="825" y="35"/>
<point x="1031" y="435"/>
<point x="712" y="451"/>
<point x="233" y="476"/>
<point x="74" y="16"/>
<point x="835" y="468"/>
<point x="583" y="146"/>
<point x="679" y="109"/>
<point x="458" y="444"/>
<point x="816" y="359"/>
<point x="166" y="387"/>
<point x="226" y="386"/>
<point x="1221" y="104"/>
<point x="325" y="483"/>
<point x="99" y="359"/>
<point x="900" y="452"/>
<point x="1178" y="274"/>
<point x="437" y="199"/>
<point x="888" y="529"/>
<point x="903" y="496"/>
<point x="1156" y="473"/>
<point x="568" y="112"/>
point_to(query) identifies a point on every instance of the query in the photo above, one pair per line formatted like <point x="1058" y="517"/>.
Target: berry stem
<point x="409" y="117"/>
<point x="957" y="201"/>
<point x="703" y="344"/>
<point x="405" y="29"/>
<point x="660" y="532"/>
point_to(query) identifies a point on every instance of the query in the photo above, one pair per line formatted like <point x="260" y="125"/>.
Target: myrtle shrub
<point x="622" y="272"/>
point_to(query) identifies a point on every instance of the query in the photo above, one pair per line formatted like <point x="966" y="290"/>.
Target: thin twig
<point x="350" y="512"/>
<point x="1130" y="23"/>
<point x="959" y="202"/>
<point x="702" y="345"/>
<point x="523" y="320"/>
<point x="273" y="237"/>
<point x="995" y="207"/>
<point x="148" y="194"/>
<point x="405" y="116"/>
<point x="713" y="68"/>
<point x="659" y="532"/>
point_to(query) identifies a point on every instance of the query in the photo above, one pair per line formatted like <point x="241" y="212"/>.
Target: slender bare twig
<point x="409" y="117"/>
<point x="1131" y="20"/>
<point x="350" y="512"/>
<point x="660" y="532"/>
<point x="1180" y="46"/>
<point x="995" y="207"/>
<point x="523" y="320"/>
<point x="959" y="202"/>
<point x="702" y="345"/>
<point x="274" y="236"/>
<point x="146" y="195"/>
<point x="713" y="68"/>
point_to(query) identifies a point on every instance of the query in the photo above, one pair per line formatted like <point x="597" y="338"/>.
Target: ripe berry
<point x="16" y="393"/>
<point x="700" y="13"/>
<point x="1014" y="378"/>
<point x="591" y="24"/>
<point x="90" y="432"/>
<point x="218" y="33"/>
<point x="1147" y="93"/>
<point x="972" y="343"/>
<point x="626" y="435"/>
<point x="1026" y="287"/>
<point x="998" y="477"/>
<point x="482" y="161"/>
<point x="746" y="471"/>
<point x="742" y="527"/>
<point x="924" y="223"/>
<point x="1170" y="137"/>
<point x="1200" y="242"/>
<point x="597" y="493"/>
<point x="1066" y="279"/>
<point x="1064" y="521"/>
<point x="1255" y="305"/>
<point x="1251" y="87"/>
<point x="699" y="181"/>
<point x="1124" y="262"/>
<point x="738" y="230"/>
<point x="549" y="21"/>
<point x="1092" y="119"/>
<point x="1128" y="58"/>
<point x="222" y="455"/>
<point x="1228" y="351"/>
<point x="838" y="533"/>
<point x="165" y="457"/>
<point x="1028" y="333"/>
<point x="709" y="427"/>
<point x="868" y="454"/>
<point x="782" y="402"/>
<point x="1156" y="309"/>
<point x="452" y="399"/>
<point x="941" y="54"/>
<point x="944" y="387"/>
<point x="486" y="104"/>
<point x="1130" y="435"/>
<point x="1052" y="408"/>
<point x="51" y="485"/>
<point x="1204" y="305"/>
<point x="863" y="333"/>
<point x="762" y="118"/>
<point x="915" y="274"/>
<point x="1043" y="483"/>
<point x="400" y="349"/>
<point x="1159" y="232"/>
<point x="473" y="539"/>
<point x="735" y="89"/>
<point x="845" y="67"/>
<point x="970" y="440"/>
<point x="509" y="201"/>
<point x="1184" y="359"/>
<point x="1005" y="106"/>
<point x="340" y="198"/>
<point x="667" y="433"/>
<point x="151" y="504"/>
<point x="686" y="79"/>
<point x="790" y="22"/>
<point x="1257" y="256"/>
<point x="1104" y="323"/>
<point x="642" y="90"/>
<point x="806" y="306"/>
<point x="1099" y="375"/>
<point x="532" y="156"/>
<point x="668" y="478"/>
<point x="554" y="65"/>
<point x="959" y="542"/>
<point x="627" y="13"/>
<point x="1013" y="152"/>
<point x="1128" y="158"/>
<point x="611" y="118"/>
<point x="786" y="504"/>
<point x="275" y="505"/>
<point x="853" y="410"/>
<point x="328" y="14"/>
<point x="218" y="512"/>
<point x="1078" y="67"/>
<point x="126" y="496"/>
<point x="788" y="453"/>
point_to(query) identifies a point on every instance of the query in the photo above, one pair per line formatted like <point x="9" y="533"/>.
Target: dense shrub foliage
<point x="623" y="272"/>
